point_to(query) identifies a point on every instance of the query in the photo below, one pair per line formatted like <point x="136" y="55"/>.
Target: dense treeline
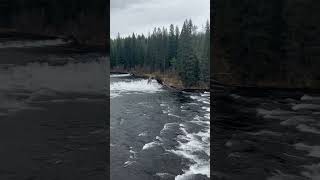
<point x="84" y="20"/>
<point x="185" y="53"/>
<point x="267" y="43"/>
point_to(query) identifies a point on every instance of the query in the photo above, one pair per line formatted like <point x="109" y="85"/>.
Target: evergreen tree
<point x="185" y="53"/>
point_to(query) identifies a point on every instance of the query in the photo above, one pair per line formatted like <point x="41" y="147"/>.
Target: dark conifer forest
<point x="271" y="43"/>
<point x="85" y="21"/>
<point x="185" y="53"/>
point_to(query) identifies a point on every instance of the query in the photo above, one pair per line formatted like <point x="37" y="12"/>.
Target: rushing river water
<point x="53" y="113"/>
<point x="267" y="134"/>
<point x="156" y="133"/>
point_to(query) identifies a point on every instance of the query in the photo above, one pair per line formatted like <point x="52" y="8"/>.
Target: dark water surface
<point x="273" y="135"/>
<point x="157" y="133"/>
<point x="53" y="112"/>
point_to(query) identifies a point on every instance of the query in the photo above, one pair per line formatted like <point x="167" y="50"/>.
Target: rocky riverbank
<point x="7" y="35"/>
<point x="168" y="79"/>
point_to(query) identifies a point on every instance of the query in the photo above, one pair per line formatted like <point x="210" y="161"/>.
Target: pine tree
<point x="185" y="53"/>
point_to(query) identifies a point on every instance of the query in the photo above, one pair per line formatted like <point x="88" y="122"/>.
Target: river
<point x="53" y="111"/>
<point x="157" y="133"/>
<point x="266" y="134"/>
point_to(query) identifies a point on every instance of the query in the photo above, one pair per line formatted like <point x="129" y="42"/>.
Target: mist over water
<point x="156" y="133"/>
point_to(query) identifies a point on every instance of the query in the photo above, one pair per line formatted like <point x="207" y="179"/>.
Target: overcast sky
<point x="141" y="16"/>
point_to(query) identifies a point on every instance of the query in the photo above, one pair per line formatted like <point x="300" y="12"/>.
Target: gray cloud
<point x="141" y="16"/>
<point x="120" y="4"/>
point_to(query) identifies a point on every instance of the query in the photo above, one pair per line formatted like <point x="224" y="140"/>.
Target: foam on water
<point x="128" y="163"/>
<point x="300" y="115"/>
<point x="203" y="99"/>
<point x="207" y="116"/>
<point x="132" y="153"/>
<point x="312" y="171"/>
<point x="167" y="126"/>
<point x="152" y="144"/>
<point x="163" y="175"/>
<point x="168" y="110"/>
<point x="313" y="151"/>
<point x="119" y="75"/>
<point x="132" y="158"/>
<point x="170" y="114"/>
<point x="307" y="97"/>
<point x="191" y="145"/>
<point x="302" y="121"/>
<point x="206" y="108"/>
<point x="134" y="86"/>
<point x="203" y="121"/>
<point x="307" y="128"/>
<point x="163" y="105"/>
<point x="143" y="134"/>
<point x="192" y="103"/>
<point x="306" y="107"/>
<point x="235" y="96"/>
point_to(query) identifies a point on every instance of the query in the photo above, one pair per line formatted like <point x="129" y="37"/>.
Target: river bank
<point x="172" y="81"/>
<point x="23" y="48"/>
<point x="168" y="79"/>
<point x="12" y="35"/>
<point x="85" y="21"/>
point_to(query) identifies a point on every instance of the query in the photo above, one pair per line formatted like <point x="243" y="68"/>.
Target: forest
<point x="184" y="53"/>
<point x="85" y="21"/>
<point x="267" y="43"/>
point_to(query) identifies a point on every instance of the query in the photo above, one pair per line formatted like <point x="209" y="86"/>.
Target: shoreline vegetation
<point x="265" y="44"/>
<point x="169" y="80"/>
<point x="14" y="35"/>
<point x="83" y="21"/>
<point x="177" y="59"/>
<point x="172" y="82"/>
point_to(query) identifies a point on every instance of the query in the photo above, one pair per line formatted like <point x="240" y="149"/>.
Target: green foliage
<point x="186" y="52"/>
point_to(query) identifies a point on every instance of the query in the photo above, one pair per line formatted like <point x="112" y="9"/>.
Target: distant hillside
<point x="84" y="20"/>
<point x="273" y="43"/>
